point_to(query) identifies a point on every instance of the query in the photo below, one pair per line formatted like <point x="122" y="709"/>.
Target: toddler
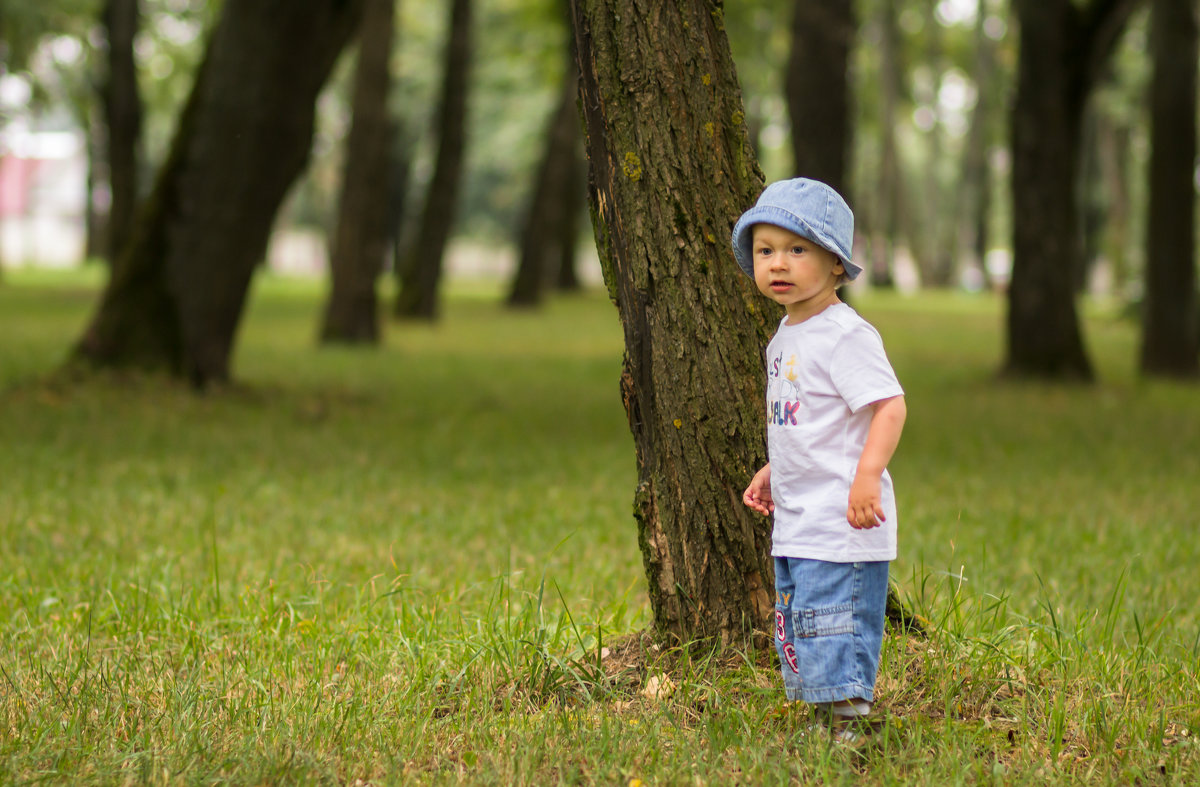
<point x="835" y="411"/>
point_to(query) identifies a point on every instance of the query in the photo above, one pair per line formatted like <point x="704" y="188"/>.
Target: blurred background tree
<point x="549" y="229"/>
<point x="420" y="269"/>
<point x="175" y="296"/>
<point x="1065" y="49"/>
<point x="1171" y="339"/>
<point x="361" y="239"/>
<point x="122" y="102"/>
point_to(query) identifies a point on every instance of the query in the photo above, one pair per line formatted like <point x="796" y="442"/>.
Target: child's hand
<point x="865" y="509"/>
<point x="758" y="494"/>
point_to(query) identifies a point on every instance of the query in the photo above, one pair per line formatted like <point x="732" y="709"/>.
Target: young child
<point x="835" y="411"/>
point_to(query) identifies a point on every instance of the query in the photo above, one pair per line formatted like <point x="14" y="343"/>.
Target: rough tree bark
<point x="819" y="92"/>
<point x="361" y="240"/>
<point x="421" y="270"/>
<point x="123" y="121"/>
<point x="671" y="169"/>
<point x="541" y="234"/>
<point x="1064" y="46"/>
<point x="1170" y="338"/>
<point x="176" y="293"/>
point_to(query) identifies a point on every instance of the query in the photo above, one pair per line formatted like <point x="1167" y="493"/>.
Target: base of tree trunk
<point x="628" y="662"/>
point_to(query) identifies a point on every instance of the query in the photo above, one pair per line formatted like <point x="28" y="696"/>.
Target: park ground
<point x="418" y="563"/>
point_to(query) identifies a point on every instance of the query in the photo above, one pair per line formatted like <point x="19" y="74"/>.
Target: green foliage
<point x="401" y="565"/>
<point x="24" y="24"/>
<point x="170" y="46"/>
<point x="58" y="47"/>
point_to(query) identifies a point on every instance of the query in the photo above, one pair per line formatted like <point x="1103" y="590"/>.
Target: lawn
<point x="419" y="564"/>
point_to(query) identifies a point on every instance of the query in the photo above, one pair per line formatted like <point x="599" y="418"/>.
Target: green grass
<point x="397" y="565"/>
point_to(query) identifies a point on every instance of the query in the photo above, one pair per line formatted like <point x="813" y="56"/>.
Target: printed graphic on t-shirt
<point x="783" y="391"/>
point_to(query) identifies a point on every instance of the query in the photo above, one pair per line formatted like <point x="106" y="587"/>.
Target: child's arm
<point x="865" y="509"/>
<point x="758" y="494"/>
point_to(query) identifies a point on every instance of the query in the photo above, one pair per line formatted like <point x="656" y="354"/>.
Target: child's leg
<point x="836" y="616"/>
<point x="854" y="708"/>
<point x="784" y="634"/>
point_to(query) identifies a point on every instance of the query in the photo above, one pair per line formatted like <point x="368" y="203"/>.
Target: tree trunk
<point x="574" y="200"/>
<point x="819" y="91"/>
<point x="541" y="235"/>
<point x="1114" y="143"/>
<point x="400" y="167"/>
<point x="123" y="120"/>
<point x="177" y="290"/>
<point x="1093" y="207"/>
<point x="888" y="197"/>
<point x="421" y="272"/>
<point x="95" y="222"/>
<point x="974" y="186"/>
<point x="671" y="169"/>
<point x="1170" y="340"/>
<point x="361" y="239"/>
<point x="934" y="247"/>
<point x="1063" y="48"/>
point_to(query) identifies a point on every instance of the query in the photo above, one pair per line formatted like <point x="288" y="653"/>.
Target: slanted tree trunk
<point x="819" y="91"/>
<point x="1170" y="339"/>
<point x="400" y="165"/>
<point x="671" y="169"/>
<point x="123" y="121"/>
<point x="177" y="291"/>
<point x="1064" y="46"/>
<point x="361" y="239"/>
<point x="542" y="232"/>
<point x="421" y="270"/>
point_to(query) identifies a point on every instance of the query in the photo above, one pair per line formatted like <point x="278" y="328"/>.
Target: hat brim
<point x="743" y="237"/>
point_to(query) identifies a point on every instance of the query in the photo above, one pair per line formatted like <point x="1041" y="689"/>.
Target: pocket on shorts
<point x="824" y="621"/>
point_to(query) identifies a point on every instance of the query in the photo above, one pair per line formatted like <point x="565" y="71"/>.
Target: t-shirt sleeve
<point x="860" y="368"/>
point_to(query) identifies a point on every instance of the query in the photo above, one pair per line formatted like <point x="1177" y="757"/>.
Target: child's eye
<point x="797" y="250"/>
<point x="763" y="250"/>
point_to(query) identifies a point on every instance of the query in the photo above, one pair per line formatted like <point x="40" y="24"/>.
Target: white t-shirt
<point x="821" y="376"/>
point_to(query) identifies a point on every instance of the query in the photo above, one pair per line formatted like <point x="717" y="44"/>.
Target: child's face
<point x="794" y="271"/>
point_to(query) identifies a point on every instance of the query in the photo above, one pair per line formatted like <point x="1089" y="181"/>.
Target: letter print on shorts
<point x="789" y="653"/>
<point x="786" y="647"/>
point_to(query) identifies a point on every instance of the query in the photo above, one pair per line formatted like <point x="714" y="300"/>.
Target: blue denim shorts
<point x="829" y="627"/>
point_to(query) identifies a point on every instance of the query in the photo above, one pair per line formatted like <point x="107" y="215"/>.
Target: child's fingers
<point x="751" y="500"/>
<point x="865" y="517"/>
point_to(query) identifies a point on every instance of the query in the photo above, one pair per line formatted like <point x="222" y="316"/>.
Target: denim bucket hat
<point x="806" y="207"/>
